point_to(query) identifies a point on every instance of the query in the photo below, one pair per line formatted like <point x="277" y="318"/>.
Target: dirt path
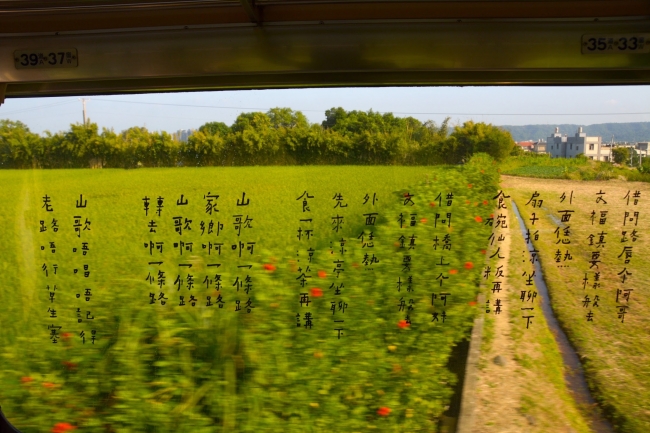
<point x="520" y="386"/>
<point x="498" y="395"/>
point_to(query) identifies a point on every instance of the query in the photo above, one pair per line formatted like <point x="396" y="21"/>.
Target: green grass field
<point x="203" y="368"/>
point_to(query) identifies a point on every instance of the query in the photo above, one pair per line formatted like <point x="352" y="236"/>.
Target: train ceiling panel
<point x="69" y="47"/>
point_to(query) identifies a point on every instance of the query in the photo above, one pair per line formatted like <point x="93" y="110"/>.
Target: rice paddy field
<point x="309" y="299"/>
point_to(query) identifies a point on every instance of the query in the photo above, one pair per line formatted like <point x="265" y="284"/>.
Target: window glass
<point x="274" y="270"/>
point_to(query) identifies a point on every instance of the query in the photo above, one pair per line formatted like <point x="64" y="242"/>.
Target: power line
<point x="147" y="115"/>
<point x="23" y="110"/>
<point x="194" y="106"/>
<point x="381" y="112"/>
<point x="38" y="107"/>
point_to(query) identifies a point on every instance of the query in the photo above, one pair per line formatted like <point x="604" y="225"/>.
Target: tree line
<point x="281" y="136"/>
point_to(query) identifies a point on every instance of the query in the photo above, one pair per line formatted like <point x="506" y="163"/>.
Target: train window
<point x="273" y="215"/>
<point x="278" y="268"/>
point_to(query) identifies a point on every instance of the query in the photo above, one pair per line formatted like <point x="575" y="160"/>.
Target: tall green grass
<point x="543" y="166"/>
<point x="197" y="368"/>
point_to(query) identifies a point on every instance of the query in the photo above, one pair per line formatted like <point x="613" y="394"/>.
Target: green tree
<point x="375" y="138"/>
<point x="164" y="150"/>
<point x="473" y="138"/>
<point x="333" y="116"/>
<point x="430" y="138"/>
<point x="253" y="140"/>
<point x="203" y="148"/>
<point x="287" y="118"/>
<point x="279" y="136"/>
<point x="19" y="147"/>
<point x="111" y="143"/>
<point x="621" y="155"/>
<point x="54" y="153"/>
<point x="135" y="147"/>
<point x="215" y="128"/>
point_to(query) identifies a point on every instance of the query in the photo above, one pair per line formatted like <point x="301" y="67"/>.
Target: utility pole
<point x="83" y="102"/>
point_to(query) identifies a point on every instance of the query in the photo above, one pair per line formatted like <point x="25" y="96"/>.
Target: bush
<point x="645" y="165"/>
<point x="621" y="155"/>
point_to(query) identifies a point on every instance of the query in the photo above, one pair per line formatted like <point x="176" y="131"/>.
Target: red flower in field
<point x="383" y="411"/>
<point x="26" y="379"/>
<point x="483" y="251"/>
<point x="469" y="185"/>
<point x="403" y="324"/>
<point x="316" y="292"/>
<point x="322" y="274"/>
<point x="69" y="365"/>
<point x="432" y="204"/>
<point x="471" y="303"/>
<point x="491" y="215"/>
<point x="478" y="219"/>
<point x="423" y="220"/>
<point x="48" y="385"/>
<point x="466" y="201"/>
<point x="63" y="427"/>
<point x="485" y="202"/>
<point x="482" y="171"/>
<point x="469" y="265"/>
<point x="269" y="267"/>
<point x="453" y="271"/>
<point x="66" y="336"/>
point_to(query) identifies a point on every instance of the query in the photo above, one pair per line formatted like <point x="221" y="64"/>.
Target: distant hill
<point x="630" y="132"/>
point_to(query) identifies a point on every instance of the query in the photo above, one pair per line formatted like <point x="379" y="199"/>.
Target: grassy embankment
<point x="542" y="166"/>
<point x="615" y="355"/>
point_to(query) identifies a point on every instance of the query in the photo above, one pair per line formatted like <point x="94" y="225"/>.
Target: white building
<point x="642" y="149"/>
<point x="561" y="146"/>
<point x="539" y="146"/>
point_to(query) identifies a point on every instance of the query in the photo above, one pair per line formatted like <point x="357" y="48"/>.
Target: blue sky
<point x="497" y="105"/>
